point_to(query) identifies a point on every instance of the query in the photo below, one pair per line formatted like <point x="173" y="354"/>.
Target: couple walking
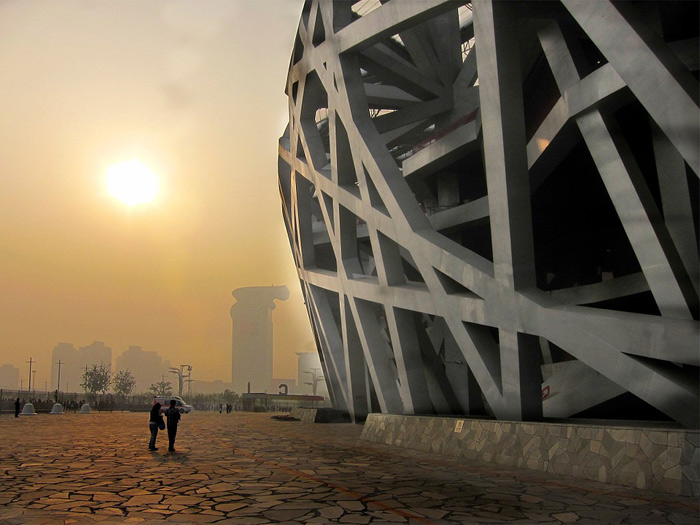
<point x="156" y="422"/>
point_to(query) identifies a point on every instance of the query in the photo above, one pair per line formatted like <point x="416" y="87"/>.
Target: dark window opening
<point x="577" y="234"/>
<point x="325" y="257"/>
<point x="640" y="303"/>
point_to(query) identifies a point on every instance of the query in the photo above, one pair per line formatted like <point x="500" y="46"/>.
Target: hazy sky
<point x="194" y="89"/>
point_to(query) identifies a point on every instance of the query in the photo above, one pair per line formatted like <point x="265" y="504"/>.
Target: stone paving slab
<point x="250" y="469"/>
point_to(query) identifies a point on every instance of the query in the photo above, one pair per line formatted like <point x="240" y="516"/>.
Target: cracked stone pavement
<point x="248" y="468"/>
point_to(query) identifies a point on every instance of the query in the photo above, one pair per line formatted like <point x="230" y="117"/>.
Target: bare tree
<point x="96" y="379"/>
<point x="161" y="388"/>
<point x="124" y="383"/>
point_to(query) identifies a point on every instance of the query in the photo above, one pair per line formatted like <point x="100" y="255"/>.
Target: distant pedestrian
<point x="220" y="407"/>
<point x="173" y="416"/>
<point x="155" y="423"/>
<point x="17" y="408"/>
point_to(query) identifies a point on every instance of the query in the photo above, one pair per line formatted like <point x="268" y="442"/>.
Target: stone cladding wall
<point x="307" y="415"/>
<point x="666" y="460"/>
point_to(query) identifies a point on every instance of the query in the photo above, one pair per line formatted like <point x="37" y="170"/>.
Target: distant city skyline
<point x="149" y="367"/>
<point x="174" y="85"/>
<point x="71" y="369"/>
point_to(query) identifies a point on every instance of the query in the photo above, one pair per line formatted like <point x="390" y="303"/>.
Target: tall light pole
<point x="29" y="388"/>
<point x="186" y="378"/>
<point x="58" y="383"/>
<point x="189" y="379"/>
<point x="314" y="379"/>
<point x="180" y="372"/>
<point x="176" y="371"/>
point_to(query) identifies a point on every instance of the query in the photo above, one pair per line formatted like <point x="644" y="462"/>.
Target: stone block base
<point x="307" y="415"/>
<point x="660" y="459"/>
<point x="321" y="415"/>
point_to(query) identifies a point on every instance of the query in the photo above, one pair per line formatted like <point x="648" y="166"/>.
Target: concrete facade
<point x="493" y="206"/>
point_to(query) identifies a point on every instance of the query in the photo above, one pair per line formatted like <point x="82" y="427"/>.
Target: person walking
<point x="155" y="423"/>
<point x="17" y="408"/>
<point x="173" y="416"/>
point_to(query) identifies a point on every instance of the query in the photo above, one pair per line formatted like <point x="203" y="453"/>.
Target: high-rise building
<point x="73" y="363"/>
<point x="147" y="368"/>
<point x="9" y="377"/>
<point x="64" y="362"/>
<point x="493" y="205"/>
<point x="252" y="336"/>
<point x="95" y="354"/>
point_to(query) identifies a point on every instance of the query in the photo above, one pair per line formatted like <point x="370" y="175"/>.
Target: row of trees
<point x="99" y="378"/>
<point x="212" y="401"/>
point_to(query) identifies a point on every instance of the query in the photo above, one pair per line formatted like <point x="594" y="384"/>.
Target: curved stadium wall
<point x="493" y="206"/>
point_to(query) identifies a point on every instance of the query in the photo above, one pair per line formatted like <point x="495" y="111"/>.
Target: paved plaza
<point x="248" y="468"/>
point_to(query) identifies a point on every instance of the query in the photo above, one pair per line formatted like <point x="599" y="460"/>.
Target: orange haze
<point x="193" y="89"/>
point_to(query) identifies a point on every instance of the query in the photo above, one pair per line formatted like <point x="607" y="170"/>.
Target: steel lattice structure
<point x="493" y="206"/>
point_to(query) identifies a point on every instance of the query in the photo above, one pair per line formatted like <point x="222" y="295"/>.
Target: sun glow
<point x="132" y="182"/>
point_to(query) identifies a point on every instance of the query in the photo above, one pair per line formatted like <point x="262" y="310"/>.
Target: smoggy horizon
<point x="193" y="90"/>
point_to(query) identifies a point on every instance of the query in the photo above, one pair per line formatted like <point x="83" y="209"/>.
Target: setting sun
<point x="132" y="182"/>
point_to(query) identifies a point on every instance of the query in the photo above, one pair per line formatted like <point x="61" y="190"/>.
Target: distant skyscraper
<point x="252" y="336"/>
<point x="147" y="367"/>
<point x="9" y="377"/>
<point x="70" y="371"/>
<point x="73" y="363"/>
<point x="95" y="354"/>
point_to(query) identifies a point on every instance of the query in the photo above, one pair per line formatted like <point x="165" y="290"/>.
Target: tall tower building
<point x="73" y="363"/>
<point x="9" y="377"/>
<point x="252" y="336"/>
<point x="67" y="355"/>
<point x="147" y="367"/>
<point x="94" y="354"/>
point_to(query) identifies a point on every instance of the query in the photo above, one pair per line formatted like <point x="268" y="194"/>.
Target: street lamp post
<point x="187" y="378"/>
<point x="315" y="378"/>
<point x="177" y="371"/>
<point x="58" y="383"/>
<point x="181" y="376"/>
<point x="29" y="387"/>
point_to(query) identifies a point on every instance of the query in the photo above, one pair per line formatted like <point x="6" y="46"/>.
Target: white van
<point x="164" y="401"/>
